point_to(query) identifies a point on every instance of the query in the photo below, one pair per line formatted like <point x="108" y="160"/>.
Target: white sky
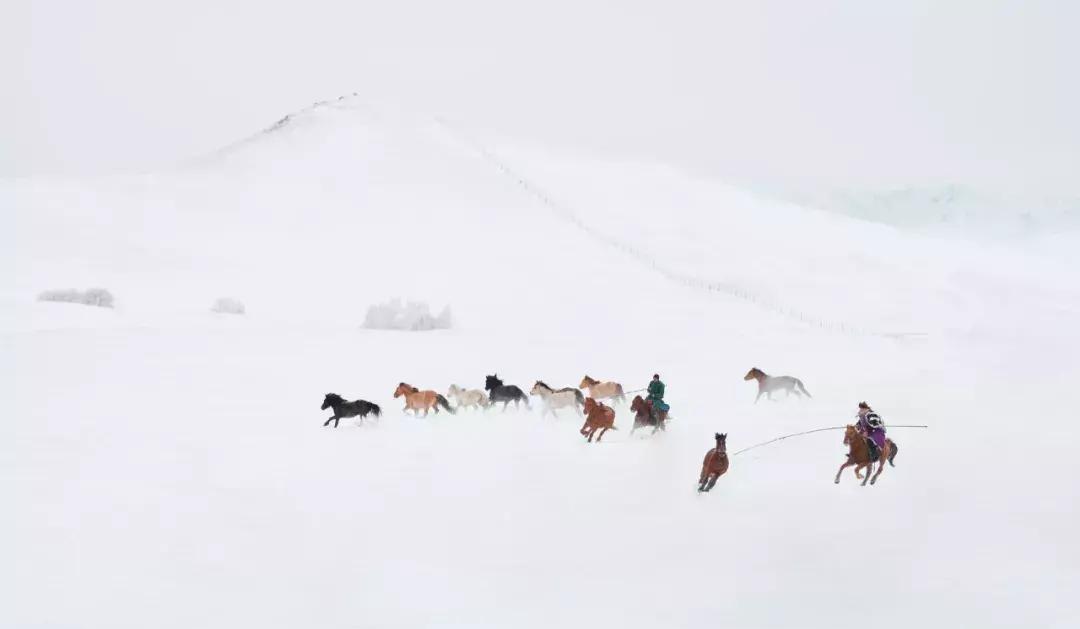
<point x="856" y="90"/>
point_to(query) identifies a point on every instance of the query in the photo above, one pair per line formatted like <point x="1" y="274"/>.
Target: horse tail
<point x="579" y="396"/>
<point x="376" y="411"/>
<point x="802" y="388"/>
<point x="441" y="401"/>
<point x="892" y="452"/>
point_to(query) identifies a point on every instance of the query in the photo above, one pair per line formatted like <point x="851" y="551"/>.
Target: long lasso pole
<point x="808" y="432"/>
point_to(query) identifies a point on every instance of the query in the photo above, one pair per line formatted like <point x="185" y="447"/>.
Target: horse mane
<point x="541" y="383"/>
<point x="334" y="396"/>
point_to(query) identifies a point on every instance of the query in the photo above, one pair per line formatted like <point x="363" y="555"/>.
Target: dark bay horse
<point x="715" y="464"/>
<point x="646" y="415"/>
<point x="505" y="393"/>
<point x="344" y="409"/>
<point x="597" y="417"/>
<point x="859" y="455"/>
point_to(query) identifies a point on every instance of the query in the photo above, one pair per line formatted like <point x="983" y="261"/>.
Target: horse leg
<point x="327" y="422"/>
<point x="881" y="463"/>
<point x="866" y="477"/>
<point x="843" y="467"/>
<point x="760" y="391"/>
<point x="601" y="435"/>
<point x="881" y="467"/>
<point x="712" y="481"/>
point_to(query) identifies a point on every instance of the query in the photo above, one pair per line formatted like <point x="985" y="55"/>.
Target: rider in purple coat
<point x="871" y="427"/>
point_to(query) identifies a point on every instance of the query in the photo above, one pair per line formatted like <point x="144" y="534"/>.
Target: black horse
<point x="505" y="393"/>
<point x="343" y="408"/>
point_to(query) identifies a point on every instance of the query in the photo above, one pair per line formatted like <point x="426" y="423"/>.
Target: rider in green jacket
<point x="656" y="397"/>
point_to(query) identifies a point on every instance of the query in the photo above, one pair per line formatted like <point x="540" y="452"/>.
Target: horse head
<point x="492" y="382"/>
<point x="403" y="389"/>
<point x="454" y="389"/>
<point x="850" y="434"/>
<point x="721" y="442"/>
<point x="753" y="374"/>
<point x="638" y="404"/>
<point x="330" y="400"/>
<point x="586" y="382"/>
<point x="540" y="387"/>
<point x="590" y="406"/>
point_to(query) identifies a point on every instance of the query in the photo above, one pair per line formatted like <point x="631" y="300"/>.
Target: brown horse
<point x="597" y="417"/>
<point x="421" y="400"/>
<point x="603" y="390"/>
<point x="714" y="465"/>
<point x="766" y="384"/>
<point x="643" y="415"/>
<point x="859" y="455"/>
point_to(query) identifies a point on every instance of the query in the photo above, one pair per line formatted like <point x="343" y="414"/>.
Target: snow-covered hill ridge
<point x="311" y="184"/>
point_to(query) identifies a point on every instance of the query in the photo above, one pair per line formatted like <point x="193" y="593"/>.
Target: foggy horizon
<point x="837" y="92"/>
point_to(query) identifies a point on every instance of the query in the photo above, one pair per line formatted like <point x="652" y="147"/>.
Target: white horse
<point x="554" y="400"/>
<point x="468" y="398"/>
<point x="766" y="384"/>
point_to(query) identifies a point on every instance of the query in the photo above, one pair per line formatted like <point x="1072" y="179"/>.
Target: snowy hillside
<point x="166" y="465"/>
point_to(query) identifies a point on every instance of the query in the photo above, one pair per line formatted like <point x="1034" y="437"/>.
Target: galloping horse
<point x="767" y="384"/>
<point x="421" y="400"/>
<point x="715" y="464"/>
<point x="603" y="390"/>
<point x="505" y="393"/>
<point x="343" y="409"/>
<point x="859" y="455"/>
<point x="597" y="416"/>
<point x="468" y="398"/>
<point x="554" y="400"/>
<point x="644" y="415"/>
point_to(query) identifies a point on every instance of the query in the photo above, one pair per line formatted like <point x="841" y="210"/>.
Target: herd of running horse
<point x="587" y="400"/>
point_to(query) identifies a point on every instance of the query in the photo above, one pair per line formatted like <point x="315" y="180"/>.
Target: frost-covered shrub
<point x="414" y="316"/>
<point x="90" y="297"/>
<point x="228" y="305"/>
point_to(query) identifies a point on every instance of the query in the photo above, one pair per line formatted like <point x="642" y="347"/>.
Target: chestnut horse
<point x="603" y="390"/>
<point x="421" y="400"/>
<point x="597" y="416"/>
<point x="715" y="464"/>
<point x="859" y="455"/>
<point x="643" y="415"/>
<point x="766" y="384"/>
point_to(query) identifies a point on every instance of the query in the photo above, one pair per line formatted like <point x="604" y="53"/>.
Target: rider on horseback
<point x="656" y="398"/>
<point x="872" y="428"/>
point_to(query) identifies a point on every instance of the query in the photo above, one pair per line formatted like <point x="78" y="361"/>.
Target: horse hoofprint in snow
<point x="767" y="384"/>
